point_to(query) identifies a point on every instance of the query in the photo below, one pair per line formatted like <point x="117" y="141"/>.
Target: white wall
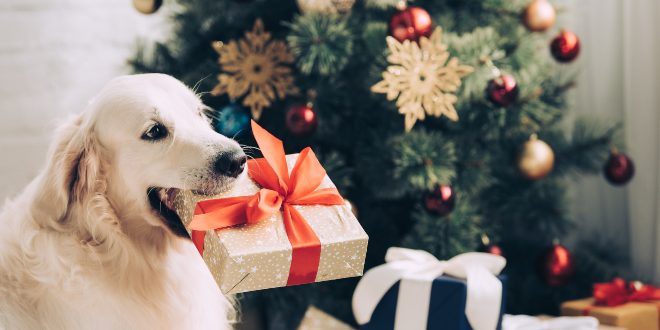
<point x="54" y="56"/>
<point x="600" y="209"/>
<point x="620" y="82"/>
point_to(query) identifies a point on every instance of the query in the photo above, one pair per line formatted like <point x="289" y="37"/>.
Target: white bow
<point x="525" y="322"/>
<point x="416" y="269"/>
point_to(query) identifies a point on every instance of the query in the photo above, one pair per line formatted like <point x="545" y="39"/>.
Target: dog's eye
<point x="155" y="132"/>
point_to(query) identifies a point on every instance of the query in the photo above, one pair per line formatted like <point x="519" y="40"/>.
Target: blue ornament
<point x="232" y="120"/>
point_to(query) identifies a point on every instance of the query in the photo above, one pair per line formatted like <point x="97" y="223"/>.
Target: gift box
<point x="284" y="224"/>
<point x="415" y="291"/>
<point x="545" y="322"/>
<point x="634" y="306"/>
<point x="316" y="319"/>
<point x="631" y="315"/>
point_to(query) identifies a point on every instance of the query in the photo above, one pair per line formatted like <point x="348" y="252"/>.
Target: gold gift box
<point x="631" y="316"/>
<point x="316" y="319"/>
<point x="258" y="256"/>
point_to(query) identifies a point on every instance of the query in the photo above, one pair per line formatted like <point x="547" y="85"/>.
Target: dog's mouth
<point x="162" y="203"/>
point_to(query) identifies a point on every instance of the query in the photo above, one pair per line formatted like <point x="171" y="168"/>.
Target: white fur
<point x="80" y="247"/>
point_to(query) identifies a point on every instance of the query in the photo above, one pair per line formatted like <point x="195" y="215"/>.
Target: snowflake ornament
<point x="422" y="78"/>
<point x="255" y="67"/>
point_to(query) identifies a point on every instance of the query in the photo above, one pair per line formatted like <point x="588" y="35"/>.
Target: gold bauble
<point x="147" y="6"/>
<point x="325" y="6"/>
<point x="536" y="159"/>
<point x="539" y="15"/>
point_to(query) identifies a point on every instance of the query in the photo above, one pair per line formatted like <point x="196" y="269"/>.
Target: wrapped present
<point x="316" y="319"/>
<point x="527" y="322"/>
<point x="284" y="225"/>
<point x="633" y="306"/>
<point x="414" y="291"/>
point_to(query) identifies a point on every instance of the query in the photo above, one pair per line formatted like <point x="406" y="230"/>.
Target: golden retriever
<point x="92" y="242"/>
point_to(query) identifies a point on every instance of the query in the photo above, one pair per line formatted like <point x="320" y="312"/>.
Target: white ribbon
<point x="416" y="269"/>
<point x="525" y="322"/>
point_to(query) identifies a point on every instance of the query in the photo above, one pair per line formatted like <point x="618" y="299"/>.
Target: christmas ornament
<point x="147" y="6"/>
<point x="503" y="90"/>
<point x="619" y="168"/>
<point x="565" y="47"/>
<point x="539" y="15"/>
<point x="536" y="159"/>
<point x="301" y="120"/>
<point x="255" y="67"/>
<point x="325" y="6"/>
<point x="422" y="77"/>
<point x="441" y="200"/>
<point x="488" y="247"/>
<point x="410" y="23"/>
<point x="232" y="120"/>
<point x="556" y="265"/>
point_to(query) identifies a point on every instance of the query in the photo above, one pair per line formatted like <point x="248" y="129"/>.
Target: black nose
<point x="230" y="163"/>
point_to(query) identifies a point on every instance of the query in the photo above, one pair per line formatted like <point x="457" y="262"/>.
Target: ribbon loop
<point x="279" y="191"/>
<point x="416" y="269"/>
<point x="618" y="292"/>
<point x="273" y="151"/>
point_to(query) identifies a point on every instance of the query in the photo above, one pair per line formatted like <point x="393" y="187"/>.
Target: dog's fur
<point x="82" y="248"/>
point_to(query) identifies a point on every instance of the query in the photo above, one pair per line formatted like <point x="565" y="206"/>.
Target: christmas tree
<point x="441" y="121"/>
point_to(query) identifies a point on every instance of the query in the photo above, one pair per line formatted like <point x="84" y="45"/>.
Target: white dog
<point x="92" y="242"/>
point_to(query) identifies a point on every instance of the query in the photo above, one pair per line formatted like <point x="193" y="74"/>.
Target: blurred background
<point x="56" y="54"/>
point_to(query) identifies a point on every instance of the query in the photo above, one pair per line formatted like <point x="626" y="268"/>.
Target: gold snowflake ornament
<point x="422" y="78"/>
<point x="255" y="67"/>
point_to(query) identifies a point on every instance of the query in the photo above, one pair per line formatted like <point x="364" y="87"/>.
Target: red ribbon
<point x="618" y="292"/>
<point x="279" y="192"/>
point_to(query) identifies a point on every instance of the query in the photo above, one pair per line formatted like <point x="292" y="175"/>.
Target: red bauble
<point x="556" y="265"/>
<point x="565" y="47"/>
<point x="493" y="249"/>
<point x="301" y="120"/>
<point x="411" y="23"/>
<point x="619" y="169"/>
<point x="503" y="90"/>
<point x="441" y="200"/>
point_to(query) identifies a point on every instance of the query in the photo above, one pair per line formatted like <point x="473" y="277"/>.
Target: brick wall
<point x="54" y="56"/>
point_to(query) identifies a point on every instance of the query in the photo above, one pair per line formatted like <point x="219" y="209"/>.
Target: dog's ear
<point x="71" y="173"/>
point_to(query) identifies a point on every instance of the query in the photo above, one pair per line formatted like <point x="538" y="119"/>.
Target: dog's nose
<point x="230" y="164"/>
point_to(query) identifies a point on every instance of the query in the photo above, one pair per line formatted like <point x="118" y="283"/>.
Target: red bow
<point x="279" y="191"/>
<point x="618" y="292"/>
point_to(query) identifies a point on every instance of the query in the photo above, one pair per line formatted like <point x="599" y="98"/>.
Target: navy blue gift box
<point x="446" y="311"/>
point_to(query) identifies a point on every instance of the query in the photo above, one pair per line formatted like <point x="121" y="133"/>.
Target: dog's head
<point x="142" y="139"/>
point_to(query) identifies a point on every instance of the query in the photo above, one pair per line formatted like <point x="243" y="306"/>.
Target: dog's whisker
<point x="198" y="83"/>
<point x="244" y="146"/>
